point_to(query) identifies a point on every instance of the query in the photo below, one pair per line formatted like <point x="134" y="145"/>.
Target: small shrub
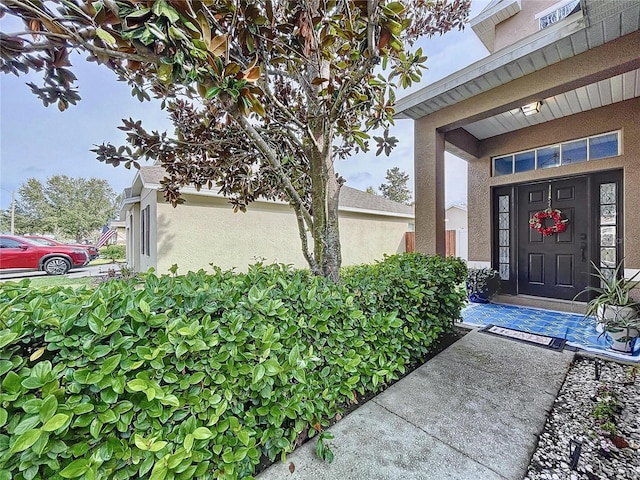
<point x="122" y="272"/>
<point x="113" y="252"/>
<point x="200" y="375"/>
<point x="606" y="406"/>
<point x="482" y="284"/>
<point x="604" y="413"/>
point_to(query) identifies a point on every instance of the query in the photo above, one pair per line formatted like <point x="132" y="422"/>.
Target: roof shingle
<point x="349" y="197"/>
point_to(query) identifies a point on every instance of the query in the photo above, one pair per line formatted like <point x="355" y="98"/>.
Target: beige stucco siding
<point x="520" y="25"/>
<point x="205" y="230"/>
<point x="613" y="57"/>
<point x="620" y="116"/>
<point x="367" y="237"/>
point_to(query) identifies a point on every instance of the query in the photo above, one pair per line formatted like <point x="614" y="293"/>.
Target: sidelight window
<point x="608" y="229"/>
<point x="145" y="231"/>
<point x="504" y="242"/>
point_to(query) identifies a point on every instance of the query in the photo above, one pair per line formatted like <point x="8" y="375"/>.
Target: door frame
<point x="594" y="180"/>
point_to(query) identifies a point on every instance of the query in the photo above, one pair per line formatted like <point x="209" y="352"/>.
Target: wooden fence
<point x="410" y="242"/>
<point x="450" y="242"/>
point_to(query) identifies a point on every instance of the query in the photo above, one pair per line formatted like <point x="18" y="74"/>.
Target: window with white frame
<point x="145" y="236"/>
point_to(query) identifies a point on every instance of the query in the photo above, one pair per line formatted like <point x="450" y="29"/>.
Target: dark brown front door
<point x="555" y="266"/>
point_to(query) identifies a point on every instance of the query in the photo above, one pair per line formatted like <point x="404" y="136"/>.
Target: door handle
<point x="583" y="247"/>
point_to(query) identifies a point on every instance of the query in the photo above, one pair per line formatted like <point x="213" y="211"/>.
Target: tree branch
<point x="372" y="20"/>
<point x="281" y="108"/>
<point x="30" y="8"/>
<point x="354" y="79"/>
<point x="72" y="37"/>
<point x="285" y="131"/>
<point x="315" y="268"/>
<point x="272" y="158"/>
<point x="287" y="113"/>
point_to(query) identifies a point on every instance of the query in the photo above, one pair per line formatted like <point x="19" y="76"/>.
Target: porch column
<point x="429" y="187"/>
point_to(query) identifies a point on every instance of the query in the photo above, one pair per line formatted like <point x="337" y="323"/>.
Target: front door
<point x="557" y="265"/>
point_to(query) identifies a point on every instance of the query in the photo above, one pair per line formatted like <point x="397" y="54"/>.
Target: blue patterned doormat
<point x="553" y="343"/>
<point x="578" y="331"/>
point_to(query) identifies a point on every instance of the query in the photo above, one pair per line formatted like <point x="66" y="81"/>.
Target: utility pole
<point x="13" y="212"/>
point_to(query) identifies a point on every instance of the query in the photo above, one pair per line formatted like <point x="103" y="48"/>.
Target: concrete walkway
<point x="473" y="412"/>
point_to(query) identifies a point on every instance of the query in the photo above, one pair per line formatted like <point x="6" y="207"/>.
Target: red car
<point x="21" y="253"/>
<point x="91" y="250"/>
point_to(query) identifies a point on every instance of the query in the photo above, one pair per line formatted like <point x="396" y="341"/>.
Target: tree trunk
<point x="325" y="195"/>
<point x="325" y="187"/>
<point x="333" y="256"/>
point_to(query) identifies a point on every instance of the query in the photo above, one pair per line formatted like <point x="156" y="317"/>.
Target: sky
<point x="39" y="142"/>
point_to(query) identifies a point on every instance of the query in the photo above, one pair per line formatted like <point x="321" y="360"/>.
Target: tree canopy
<point x="396" y="186"/>
<point x="264" y="94"/>
<point x="71" y="207"/>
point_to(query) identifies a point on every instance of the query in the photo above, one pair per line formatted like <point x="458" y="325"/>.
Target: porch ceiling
<point x="601" y="23"/>
<point x="612" y="90"/>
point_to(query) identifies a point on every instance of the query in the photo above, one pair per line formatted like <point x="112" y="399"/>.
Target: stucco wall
<point x="205" y="230"/>
<point x="366" y="238"/>
<point x="620" y="116"/>
<point x="599" y="63"/>
<point x="522" y="24"/>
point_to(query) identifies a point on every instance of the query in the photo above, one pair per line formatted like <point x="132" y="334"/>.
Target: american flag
<point x="107" y="233"/>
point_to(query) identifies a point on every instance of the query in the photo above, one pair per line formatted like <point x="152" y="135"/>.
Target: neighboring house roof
<point x="351" y="199"/>
<point x="152" y="174"/>
<point x="459" y="207"/>
<point x="603" y="22"/>
<point x="357" y="199"/>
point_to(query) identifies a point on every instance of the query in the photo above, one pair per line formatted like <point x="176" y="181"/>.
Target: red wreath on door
<point x="539" y="220"/>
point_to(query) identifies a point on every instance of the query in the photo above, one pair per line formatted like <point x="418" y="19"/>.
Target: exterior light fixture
<point x="575" y="447"/>
<point x="531" y="108"/>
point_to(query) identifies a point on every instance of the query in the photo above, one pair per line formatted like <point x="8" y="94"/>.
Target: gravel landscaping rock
<point x="603" y="414"/>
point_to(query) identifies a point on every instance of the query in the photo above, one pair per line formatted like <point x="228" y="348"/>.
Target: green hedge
<point x="202" y="376"/>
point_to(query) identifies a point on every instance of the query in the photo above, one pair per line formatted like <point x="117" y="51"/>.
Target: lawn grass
<point x="105" y="261"/>
<point x="57" y="280"/>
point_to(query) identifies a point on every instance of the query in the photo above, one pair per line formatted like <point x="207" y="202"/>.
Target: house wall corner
<point x="479" y="211"/>
<point x="429" y="188"/>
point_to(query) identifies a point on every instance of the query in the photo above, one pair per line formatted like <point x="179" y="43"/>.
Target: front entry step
<point x="540" y="302"/>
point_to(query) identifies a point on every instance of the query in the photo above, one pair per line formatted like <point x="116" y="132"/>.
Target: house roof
<point x="601" y="23"/>
<point x="459" y="207"/>
<point x="152" y="174"/>
<point x="484" y="24"/>
<point x="357" y="199"/>
<point x="351" y="199"/>
<point x="491" y="4"/>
